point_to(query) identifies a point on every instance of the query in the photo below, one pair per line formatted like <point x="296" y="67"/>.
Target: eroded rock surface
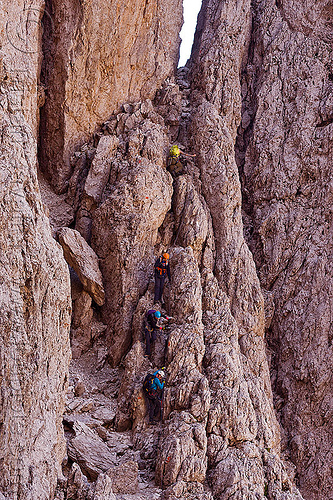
<point x="89" y="450"/>
<point x="254" y="104"/>
<point x="97" y="57"/>
<point x="285" y="146"/>
<point x="120" y="463"/>
<point x="125" y="226"/>
<point x="34" y="280"/>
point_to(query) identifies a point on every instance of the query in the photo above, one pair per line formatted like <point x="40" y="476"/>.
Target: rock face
<point x="96" y="58"/>
<point x="192" y="217"/>
<point x="99" y="172"/>
<point x="246" y="224"/>
<point x="234" y="294"/>
<point x="125" y="227"/>
<point x="285" y="149"/>
<point x="183" y="450"/>
<point x="34" y="280"/>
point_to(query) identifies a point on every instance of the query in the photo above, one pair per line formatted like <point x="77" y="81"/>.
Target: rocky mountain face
<point x="35" y="284"/>
<point x="90" y="104"/>
<point x="284" y="155"/>
<point x="95" y="58"/>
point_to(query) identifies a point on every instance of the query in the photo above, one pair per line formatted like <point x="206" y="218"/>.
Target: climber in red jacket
<point x="162" y="270"/>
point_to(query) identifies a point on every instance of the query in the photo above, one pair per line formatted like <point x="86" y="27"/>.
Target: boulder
<point x="89" y="450"/>
<point x="100" y="169"/>
<point x="81" y="334"/>
<point x="84" y="261"/>
<point x="103" y="488"/>
<point x="105" y="414"/>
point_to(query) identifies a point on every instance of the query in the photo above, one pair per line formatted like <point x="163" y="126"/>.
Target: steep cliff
<point x="95" y="59"/>
<point x="247" y="402"/>
<point x="35" y="287"/>
<point x="285" y="150"/>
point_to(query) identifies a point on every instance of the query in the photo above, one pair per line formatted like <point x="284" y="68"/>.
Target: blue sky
<point x="191" y="10"/>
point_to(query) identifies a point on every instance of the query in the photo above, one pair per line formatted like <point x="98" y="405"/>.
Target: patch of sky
<point x="191" y="10"/>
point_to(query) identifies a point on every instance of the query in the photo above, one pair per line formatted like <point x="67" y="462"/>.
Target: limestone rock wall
<point x="125" y="224"/>
<point x="216" y="95"/>
<point x="247" y="226"/>
<point x="98" y="55"/>
<point x="285" y="148"/>
<point x="182" y="460"/>
<point x="34" y="280"/>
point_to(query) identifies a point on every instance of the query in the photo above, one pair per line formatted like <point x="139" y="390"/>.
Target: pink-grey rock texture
<point x="35" y="297"/>
<point x="96" y="57"/>
<point x="89" y="451"/>
<point x="124" y="233"/>
<point x="285" y="155"/>
<point x="247" y="352"/>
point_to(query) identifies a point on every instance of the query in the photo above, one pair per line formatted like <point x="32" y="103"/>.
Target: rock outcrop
<point x="34" y="280"/>
<point x="182" y="456"/>
<point x="284" y="153"/>
<point x="125" y="225"/>
<point x="234" y="294"/>
<point x="247" y="346"/>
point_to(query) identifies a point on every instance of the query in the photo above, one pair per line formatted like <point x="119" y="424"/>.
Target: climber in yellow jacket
<point x="175" y="165"/>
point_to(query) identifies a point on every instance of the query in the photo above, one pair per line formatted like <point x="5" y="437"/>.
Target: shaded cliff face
<point x="34" y="280"/>
<point x="96" y="58"/>
<point x="286" y="138"/>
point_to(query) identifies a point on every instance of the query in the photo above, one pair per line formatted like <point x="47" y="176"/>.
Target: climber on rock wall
<point x="152" y="323"/>
<point x="162" y="269"/>
<point x="175" y="166"/>
<point x="153" y="389"/>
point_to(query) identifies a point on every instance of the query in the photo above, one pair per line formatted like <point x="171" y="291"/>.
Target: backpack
<point x="148" y="383"/>
<point x="161" y="267"/>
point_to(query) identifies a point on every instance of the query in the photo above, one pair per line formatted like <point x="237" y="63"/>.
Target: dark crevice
<point x="251" y="82"/>
<point x="59" y="22"/>
<point x="324" y="123"/>
<point x="51" y="114"/>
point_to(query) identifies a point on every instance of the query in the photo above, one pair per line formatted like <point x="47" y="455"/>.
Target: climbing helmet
<point x="174" y="150"/>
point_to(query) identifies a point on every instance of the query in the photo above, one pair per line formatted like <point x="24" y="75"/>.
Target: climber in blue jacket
<point x="158" y="383"/>
<point x="154" y="396"/>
